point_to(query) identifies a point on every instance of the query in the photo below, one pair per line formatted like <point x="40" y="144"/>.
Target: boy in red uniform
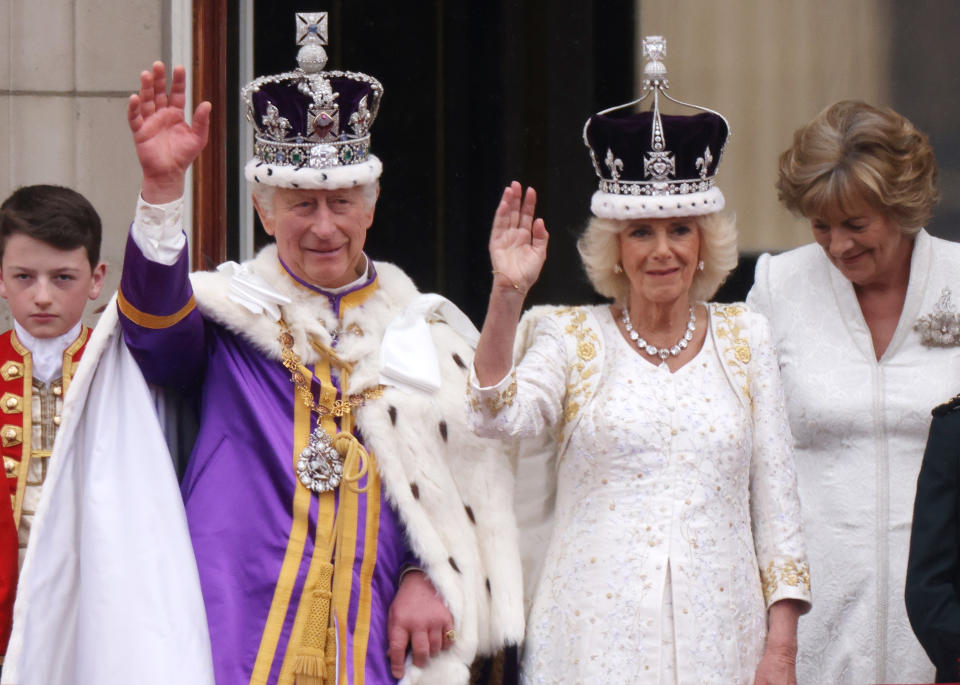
<point x="49" y="267"/>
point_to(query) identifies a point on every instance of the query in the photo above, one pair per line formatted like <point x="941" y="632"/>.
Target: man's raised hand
<point x="166" y="144"/>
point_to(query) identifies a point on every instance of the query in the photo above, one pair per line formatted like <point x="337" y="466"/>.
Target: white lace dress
<point x="653" y="571"/>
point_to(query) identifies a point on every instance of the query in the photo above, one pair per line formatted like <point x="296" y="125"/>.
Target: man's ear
<point x="96" y="280"/>
<point x="265" y="218"/>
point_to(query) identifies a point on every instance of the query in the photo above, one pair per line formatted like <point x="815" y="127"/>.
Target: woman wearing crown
<point x="676" y="553"/>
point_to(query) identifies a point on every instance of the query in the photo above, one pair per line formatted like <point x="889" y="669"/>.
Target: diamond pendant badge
<point x="940" y="328"/>
<point x="319" y="466"/>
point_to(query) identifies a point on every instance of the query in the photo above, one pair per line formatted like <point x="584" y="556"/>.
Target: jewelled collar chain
<point x="326" y="461"/>
<point x="293" y="363"/>
<point x="662" y="352"/>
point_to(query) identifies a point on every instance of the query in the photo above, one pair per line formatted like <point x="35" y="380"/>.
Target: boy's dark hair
<point x="57" y="216"/>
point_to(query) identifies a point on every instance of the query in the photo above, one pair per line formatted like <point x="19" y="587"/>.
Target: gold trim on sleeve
<point x="496" y="403"/>
<point x="152" y="320"/>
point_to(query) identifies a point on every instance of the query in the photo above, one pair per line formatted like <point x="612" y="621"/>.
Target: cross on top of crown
<point x="311" y="28"/>
<point x="655" y="48"/>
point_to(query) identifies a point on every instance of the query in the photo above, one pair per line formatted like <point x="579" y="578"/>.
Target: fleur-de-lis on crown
<point x="703" y="163"/>
<point x="276" y="125"/>
<point x="360" y="119"/>
<point x="615" y="165"/>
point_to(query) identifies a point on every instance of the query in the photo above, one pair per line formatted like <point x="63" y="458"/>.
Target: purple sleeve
<point x="161" y="323"/>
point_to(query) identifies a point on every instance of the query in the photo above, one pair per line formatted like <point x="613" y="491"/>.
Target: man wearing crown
<point x="346" y="526"/>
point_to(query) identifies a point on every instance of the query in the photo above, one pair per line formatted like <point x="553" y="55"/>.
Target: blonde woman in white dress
<point x="676" y="553"/>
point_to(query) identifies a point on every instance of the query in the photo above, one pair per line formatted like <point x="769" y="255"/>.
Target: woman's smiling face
<point x="659" y="258"/>
<point x="862" y="242"/>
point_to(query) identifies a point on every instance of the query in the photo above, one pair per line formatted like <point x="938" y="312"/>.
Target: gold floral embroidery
<point x="475" y="403"/>
<point x="737" y="350"/>
<point x="579" y="372"/>
<point x="788" y="572"/>
<point x="502" y="399"/>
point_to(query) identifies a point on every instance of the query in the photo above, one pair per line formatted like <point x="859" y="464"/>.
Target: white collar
<point x="47" y="353"/>
<point x="361" y="279"/>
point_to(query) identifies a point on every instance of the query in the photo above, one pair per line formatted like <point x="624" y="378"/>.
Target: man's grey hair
<point x="264" y="194"/>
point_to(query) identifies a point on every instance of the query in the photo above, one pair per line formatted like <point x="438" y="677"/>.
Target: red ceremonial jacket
<point x="16" y="414"/>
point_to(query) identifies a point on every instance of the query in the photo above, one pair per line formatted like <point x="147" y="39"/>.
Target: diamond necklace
<point x="662" y="352"/>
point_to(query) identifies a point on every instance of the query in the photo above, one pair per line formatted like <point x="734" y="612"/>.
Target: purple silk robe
<point x="253" y="537"/>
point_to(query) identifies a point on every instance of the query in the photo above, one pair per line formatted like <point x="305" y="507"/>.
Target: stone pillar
<point x="67" y="68"/>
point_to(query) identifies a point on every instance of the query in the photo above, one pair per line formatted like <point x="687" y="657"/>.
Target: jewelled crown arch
<point x="312" y="126"/>
<point x="633" y="156"/>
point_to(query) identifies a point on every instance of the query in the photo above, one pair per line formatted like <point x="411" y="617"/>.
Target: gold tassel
<point x="309" y="669"/>
<point x="331" y="658"/>
<point x="311" y="665"/>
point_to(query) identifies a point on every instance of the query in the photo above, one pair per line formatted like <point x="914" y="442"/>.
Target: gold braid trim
<point x="328" y="352"/>
<point x="355" y="460"/>
<point x="153" y="321"/>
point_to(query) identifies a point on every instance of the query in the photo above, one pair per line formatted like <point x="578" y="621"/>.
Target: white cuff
<point x="158" y="230"/>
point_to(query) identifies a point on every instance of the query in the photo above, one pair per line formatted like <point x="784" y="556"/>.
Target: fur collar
<point x="310" y="315"/>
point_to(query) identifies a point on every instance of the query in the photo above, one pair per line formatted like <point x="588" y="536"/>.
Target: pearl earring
<point x="700" y="265"/>
<point x="617" y="269"/>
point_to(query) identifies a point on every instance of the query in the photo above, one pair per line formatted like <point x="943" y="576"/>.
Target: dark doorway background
<point x="476" y="94"/>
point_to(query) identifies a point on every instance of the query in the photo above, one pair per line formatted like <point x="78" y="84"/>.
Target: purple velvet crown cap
<point x="312" y="127"/>
<point x="293" y="104"/>
<point x="648" y="173"/>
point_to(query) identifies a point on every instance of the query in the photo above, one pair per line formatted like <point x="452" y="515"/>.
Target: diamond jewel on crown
<point x="615" y="165"/>
<point x="300" y="117"/>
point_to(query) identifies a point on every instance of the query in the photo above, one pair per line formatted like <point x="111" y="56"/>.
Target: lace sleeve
<point x="527" y="400"/>
<point x="774" y="502"/>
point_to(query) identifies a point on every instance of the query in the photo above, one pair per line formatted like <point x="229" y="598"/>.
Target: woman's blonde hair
<point x="853" y="152"/>
<point x="599" y="248"/>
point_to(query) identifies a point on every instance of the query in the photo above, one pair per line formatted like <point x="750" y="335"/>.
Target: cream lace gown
<point x="652" y="572"/>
